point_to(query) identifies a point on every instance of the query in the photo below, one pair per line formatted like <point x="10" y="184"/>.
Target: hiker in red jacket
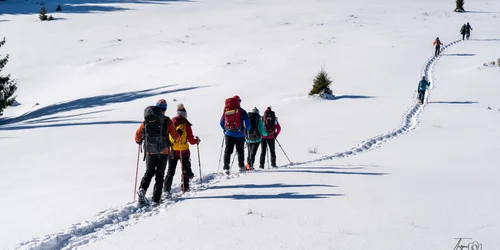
<point x="438" y="44"/>
<point x="273" y="129"/>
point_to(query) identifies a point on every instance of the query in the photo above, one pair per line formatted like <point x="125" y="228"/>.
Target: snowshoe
<point x="142" y="200"/>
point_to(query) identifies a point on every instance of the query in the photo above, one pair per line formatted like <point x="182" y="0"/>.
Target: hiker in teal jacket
<point x="254" y="136"/>
<point x="422" y="87"/>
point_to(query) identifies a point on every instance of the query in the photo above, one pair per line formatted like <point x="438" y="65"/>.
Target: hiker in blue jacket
<point x="235" y="136"/>
<point x="422" y="87"/>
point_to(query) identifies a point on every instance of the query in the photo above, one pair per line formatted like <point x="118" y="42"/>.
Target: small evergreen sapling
<point x="321" y="84"/>
<point x="7" y="86"/>
<point x="59" y="8"/>
<point x="43" y="13"/>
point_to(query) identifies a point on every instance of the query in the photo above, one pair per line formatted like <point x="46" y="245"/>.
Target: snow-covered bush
<point x="321" y="84"/>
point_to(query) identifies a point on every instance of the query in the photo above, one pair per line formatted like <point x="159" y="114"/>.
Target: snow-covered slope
<point x="71" y="159"/>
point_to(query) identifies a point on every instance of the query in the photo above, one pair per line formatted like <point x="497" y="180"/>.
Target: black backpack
<point x="153" y="133"/>
<point x="253" y="134"/>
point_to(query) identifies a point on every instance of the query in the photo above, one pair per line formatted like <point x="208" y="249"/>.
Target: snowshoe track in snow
<point x="409" y="122"/>
<point x="117" y="219"/>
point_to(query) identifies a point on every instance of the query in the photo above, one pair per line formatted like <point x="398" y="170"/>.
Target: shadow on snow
<point x="290" y="195"/>
<point x="459" y="54"/>
<point x="16" y="7"/>
<point x="457" y="102"/>
<point x="83" y="103"/>
<point x="276" y="185"/>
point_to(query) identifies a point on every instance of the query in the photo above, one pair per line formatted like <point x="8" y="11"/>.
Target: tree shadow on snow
<point x="322" y="171"/>
<point x="441" y="102"/>
<point x="84" y="103"/>
<point x="276" y="185"/>
<point x="69" y="124"/>
<point x="72" y="6"/>
<point x="290" y="195"/>
<point x="339" y="97"/>
<point x="487" y="40"/>
<point x="459" y="54"/>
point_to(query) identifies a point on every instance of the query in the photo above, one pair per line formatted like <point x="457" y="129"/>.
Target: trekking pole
<point x="137" y="169"/>
<point x="182" y="172"/>
<point x="268" y="155"/>
<point x="221" y="148"/>
<point x="291" y="163"/>
<point x="199" y="162"/>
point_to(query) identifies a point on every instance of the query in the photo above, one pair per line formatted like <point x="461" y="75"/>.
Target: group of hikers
<point x="166" y="141"/>
<point x="424" y="83"/>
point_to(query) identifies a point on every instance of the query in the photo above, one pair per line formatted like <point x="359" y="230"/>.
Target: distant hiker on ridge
<point x="154" y="132"/>
<point x="233" y="122"/>
<point x="422" y="87"/>
<point x="463" y="31"/>
<point x="438" y="44"/>
<point x="468" y="28"/>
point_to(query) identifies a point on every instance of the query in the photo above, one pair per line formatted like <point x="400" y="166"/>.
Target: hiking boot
<point x="261" y="166"/>
<point x="225" y="171"/>
<point x="248" y="167"/>
<point x="155" y="203"/>
<point x="141" y="193"/>
<point x="274" y="166"/>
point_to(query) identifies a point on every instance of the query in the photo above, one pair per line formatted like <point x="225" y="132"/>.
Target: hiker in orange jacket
<point x="156" y="147"/>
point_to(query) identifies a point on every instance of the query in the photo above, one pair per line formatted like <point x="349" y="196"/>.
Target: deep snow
<point x="427" y="181"/>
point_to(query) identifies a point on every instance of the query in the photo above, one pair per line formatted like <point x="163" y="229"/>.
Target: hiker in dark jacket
<point x="155" y="163"/>
<point x="468" y="28"/>
<point x="438" y="44"/>
<point x="270" y="139"/>
<point x="463" y="31"/>
<point x="235" y="138"/>
<point x="254" y="136"/>
<point x="422" y="87"/>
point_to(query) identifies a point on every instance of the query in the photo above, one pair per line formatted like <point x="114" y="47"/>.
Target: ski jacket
<point x="437" y="42"/>
<point x="276" y="132"/>
<point x="244" y="121"/>
<point x="169" y="129"/>
<point x="463" y="29"/>
<point x="186" y="136"/>
<point x="468" y="28"/>
<point x="423" y="84"/>
<point x="261" y="129"/>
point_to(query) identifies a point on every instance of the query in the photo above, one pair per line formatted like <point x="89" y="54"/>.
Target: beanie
<point x="162" y="104"/>
<point x="181" y="110"/>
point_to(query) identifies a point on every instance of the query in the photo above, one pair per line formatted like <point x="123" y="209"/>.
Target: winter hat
<point x="181" y="110"/>
<point x="162" y="104"/>
<point x="237" y="98"/>
<point x="255" y="110"/>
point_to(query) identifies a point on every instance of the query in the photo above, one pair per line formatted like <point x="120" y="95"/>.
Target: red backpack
<point x="232" y="114"/>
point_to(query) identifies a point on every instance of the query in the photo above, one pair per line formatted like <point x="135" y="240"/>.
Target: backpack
<point x="254" y="133"/>
<point x="269" y="120"/>
<point x="183" y="140"/>
<point x="153" y="135"/>
<point x="232" y="115"/>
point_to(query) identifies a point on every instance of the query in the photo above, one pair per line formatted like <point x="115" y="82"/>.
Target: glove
<point x="275" y="136"/>
<point x="179" y="131"/>
<point x="197" y="138"/>
<point x="139" y="142"/>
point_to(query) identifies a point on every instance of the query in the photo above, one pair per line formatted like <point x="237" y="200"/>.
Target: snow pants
<point x="265" y="143"/>
<point x="187" y="172"/>
<point x="240" y="149"/>
<point x="252" y="151"/>
<point x="155" y="166"/>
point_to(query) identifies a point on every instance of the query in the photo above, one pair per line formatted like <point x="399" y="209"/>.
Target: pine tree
<point x="321" y="84"/>
<point x="43" y="13"/>
<point x="460" y="6"/>
<point x="7" y="86"/>
<point x="58" y="8"/>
